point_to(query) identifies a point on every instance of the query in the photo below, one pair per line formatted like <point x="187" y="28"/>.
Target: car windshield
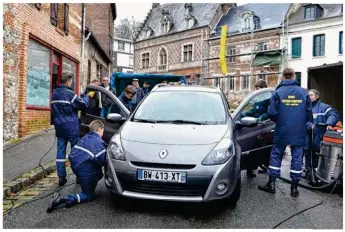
<point x="182" y="107"/>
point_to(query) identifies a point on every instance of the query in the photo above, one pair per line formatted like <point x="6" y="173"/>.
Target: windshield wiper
<point x="182" y="122"/>
<point x="144" y="120"/>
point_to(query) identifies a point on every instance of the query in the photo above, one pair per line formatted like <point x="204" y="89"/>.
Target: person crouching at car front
<point x="127" y="96"/>
<point x="87" y="159"/>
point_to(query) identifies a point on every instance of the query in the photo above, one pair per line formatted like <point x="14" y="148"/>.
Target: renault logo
<point x="163" y="154"/>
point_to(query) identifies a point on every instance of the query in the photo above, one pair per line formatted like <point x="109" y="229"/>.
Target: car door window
<point x="99" y="101"/>
<point x="258" y="107"/>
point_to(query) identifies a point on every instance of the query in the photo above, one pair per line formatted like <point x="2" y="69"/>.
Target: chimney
<point x="155" y="5"/>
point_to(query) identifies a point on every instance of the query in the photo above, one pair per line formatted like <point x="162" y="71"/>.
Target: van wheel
<point x="235" y="196"/>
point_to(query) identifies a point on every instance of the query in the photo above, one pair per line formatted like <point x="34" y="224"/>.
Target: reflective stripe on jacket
<point x="88" y="156"/>
<point x="65" y="105"/>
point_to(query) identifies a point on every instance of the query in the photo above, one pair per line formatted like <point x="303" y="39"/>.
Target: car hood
<point x="173" y="134"/>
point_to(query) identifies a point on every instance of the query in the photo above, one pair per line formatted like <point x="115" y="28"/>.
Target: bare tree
<point x="127" y="29"/>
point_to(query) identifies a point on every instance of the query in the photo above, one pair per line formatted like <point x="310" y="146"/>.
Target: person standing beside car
<point x="326" y="117"/>
<point x="65" y="105"/>
<point x="290" y="107"/>
<point x="106" y="101"/>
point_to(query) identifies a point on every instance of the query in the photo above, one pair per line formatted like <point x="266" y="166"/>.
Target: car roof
<point x="190" y="88"/>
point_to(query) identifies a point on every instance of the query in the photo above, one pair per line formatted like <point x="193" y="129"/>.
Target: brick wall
<point x="22" y="21"/>
<point x="99" y="19"/>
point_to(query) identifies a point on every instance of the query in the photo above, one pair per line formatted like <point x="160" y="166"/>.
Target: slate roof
<point x="329" y="10"/>
<point x="203" y="12"/>
<point x="270" y="14"/>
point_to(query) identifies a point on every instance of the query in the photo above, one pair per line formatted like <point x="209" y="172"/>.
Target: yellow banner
<point x="222" y="54"/>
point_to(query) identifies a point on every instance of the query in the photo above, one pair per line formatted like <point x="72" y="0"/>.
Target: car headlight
<point x="115" y="149"/>
<point x="221" y="153"/>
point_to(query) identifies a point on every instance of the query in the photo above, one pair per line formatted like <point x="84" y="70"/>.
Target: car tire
<point x="235" y="196"/>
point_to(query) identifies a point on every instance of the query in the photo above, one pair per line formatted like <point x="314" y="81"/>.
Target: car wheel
<point x="235" y="196"/>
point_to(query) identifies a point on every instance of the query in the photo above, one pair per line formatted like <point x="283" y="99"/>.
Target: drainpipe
<point x="82" y="38"/>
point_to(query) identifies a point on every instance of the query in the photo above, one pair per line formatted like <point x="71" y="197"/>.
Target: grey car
<point x="181" y="144"/>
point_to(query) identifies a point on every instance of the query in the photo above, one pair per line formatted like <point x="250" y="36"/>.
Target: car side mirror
<point x="114" y="117"/>
<point x="248" y="121"/>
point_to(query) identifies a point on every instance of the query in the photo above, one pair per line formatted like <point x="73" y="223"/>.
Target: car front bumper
<point x="201" y="183"/>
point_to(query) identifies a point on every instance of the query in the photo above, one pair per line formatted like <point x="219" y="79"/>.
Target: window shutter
<point x="66" y="19"/>
<point x="341" y="42"/>
<point x="38" y="6"/>
<point x="54" y="13"/>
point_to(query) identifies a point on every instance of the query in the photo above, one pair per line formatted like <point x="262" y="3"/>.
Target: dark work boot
<point x="294" y="191"/>
<point x="251" y="173"/>
<point x="62" y="181"/>
<point x="270" y="187"/>
<point x="55" y="202"/>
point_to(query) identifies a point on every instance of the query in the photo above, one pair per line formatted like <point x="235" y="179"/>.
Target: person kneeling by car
<point x="87" y="159"/>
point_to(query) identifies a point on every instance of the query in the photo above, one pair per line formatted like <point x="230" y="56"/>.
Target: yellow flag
<point x="222" y="54"/>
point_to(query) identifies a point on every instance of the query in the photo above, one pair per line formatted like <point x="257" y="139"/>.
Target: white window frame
<point x="182" y="52"/>
<point x="228" y="81"/>
<point x="118" y="45"/>
<point x="159" y="59"/>
<point x="241" y="77"/>
<point x="264" y="44"/>
<point x="190" y="23"/>
<point x="231" y="59"/>
<point x="141" y="60"/>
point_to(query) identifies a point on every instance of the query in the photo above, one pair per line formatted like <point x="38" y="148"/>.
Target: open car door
<point x="255" y="139"/>
<point x="93" y="112"/>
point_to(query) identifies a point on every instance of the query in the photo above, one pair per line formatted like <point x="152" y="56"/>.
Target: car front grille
<point x="164" y="166"/>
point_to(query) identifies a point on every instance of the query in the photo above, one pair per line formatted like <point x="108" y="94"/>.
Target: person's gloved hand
<point x="91" y="94"/>
<point x="329" y="127"/>
<point x="310" y="126"/>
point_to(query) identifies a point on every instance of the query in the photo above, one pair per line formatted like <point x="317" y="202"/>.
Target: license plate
<point x="163" y="176"/>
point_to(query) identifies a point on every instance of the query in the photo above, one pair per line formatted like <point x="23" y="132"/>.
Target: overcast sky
<point x="138" y="10"/>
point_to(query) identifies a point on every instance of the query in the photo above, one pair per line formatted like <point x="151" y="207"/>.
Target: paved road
<point x="25" y="156"/>
<point x="255" y="210"/>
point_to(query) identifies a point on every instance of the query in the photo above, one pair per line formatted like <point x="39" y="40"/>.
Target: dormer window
<point x="165" y="26"/>
<point x="309" y="12"/>
<point x="247" y="21"/>
<point x="166" y="22"/>
<point x="147" y="32"/>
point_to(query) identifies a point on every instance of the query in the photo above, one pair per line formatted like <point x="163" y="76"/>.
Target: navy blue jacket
<point x="290" y="107"/>
<point x="88" y="156"/>
<point x="65" y="105"/>
<point x="126" y="101"/>
<point x="324" y="114"/>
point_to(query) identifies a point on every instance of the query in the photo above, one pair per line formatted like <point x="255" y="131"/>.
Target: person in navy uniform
<point x="290" y="107"/>
<point x="322" y="114"/>
<point x="259" y="111"/>
<point x="87" y="159"/>
<point x="65" y="105"/>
